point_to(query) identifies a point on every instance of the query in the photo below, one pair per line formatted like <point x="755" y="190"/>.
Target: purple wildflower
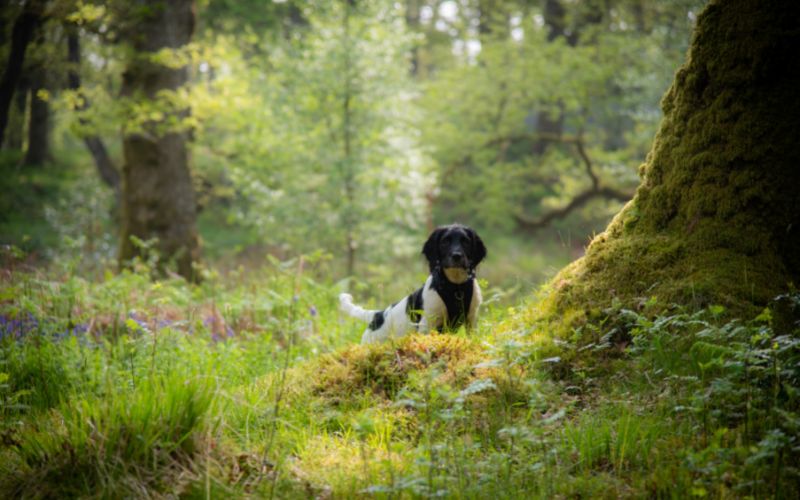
<point x="17" y="327"/>
<point x="140" y="320"/>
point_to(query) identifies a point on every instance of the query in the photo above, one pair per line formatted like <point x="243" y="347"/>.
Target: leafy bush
<point x="739" y="383"/>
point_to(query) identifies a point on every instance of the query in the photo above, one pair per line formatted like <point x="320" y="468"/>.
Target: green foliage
<point x="324" y="118"/>
<point x="485" y="112"/>
<point x="428" y="106"/>
<point x="735" y="384"/>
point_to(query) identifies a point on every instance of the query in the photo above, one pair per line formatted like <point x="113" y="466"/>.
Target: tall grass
<point x="251" y="384"/>
<point x="122" y="444"/>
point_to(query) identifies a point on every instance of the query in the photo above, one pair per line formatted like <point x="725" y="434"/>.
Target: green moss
<point x="377" y="378"/>
<point x="714" y="219"/>
<point x="384" y="369"/>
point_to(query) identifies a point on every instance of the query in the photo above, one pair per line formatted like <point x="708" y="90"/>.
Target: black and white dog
<point x="449" y="298"/>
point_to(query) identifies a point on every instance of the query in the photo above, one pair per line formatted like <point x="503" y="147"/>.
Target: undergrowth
<point x="251" y="384"/>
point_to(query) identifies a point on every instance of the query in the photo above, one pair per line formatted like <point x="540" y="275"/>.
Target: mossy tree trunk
<point x="158" y="199"/>
<point x="716" y="218"/>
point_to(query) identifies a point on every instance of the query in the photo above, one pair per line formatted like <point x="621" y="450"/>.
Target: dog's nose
<point x="458" y="256"/>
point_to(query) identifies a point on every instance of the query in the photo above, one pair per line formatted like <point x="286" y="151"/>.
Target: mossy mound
<point x="384" y="369"/>
<point x="335" y="389"/>
<point x="715" y="220"/>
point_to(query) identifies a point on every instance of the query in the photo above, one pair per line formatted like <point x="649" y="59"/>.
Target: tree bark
<point x="716" y="218"/>
<point x="39" y="125"/>
<point x="21" y="33"/>
<point x="158" y="199"/>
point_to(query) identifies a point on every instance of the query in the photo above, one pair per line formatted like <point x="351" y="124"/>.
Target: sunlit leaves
<point x="86" y="13"/>
<point x="278" y="124"/>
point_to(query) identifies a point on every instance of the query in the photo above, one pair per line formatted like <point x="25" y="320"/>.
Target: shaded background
<point x="344" y="131"/>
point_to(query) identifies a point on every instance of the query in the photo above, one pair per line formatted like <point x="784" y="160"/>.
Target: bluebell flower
<point x="140" y="320"/>
<point x="17" y="327"/>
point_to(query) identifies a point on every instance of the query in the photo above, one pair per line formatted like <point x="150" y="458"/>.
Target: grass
<point x="252" y="384"/>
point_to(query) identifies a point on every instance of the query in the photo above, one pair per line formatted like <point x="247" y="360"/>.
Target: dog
<point x="449" y="298"/>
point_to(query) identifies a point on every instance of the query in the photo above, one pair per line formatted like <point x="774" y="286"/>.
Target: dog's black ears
<point x="478" y="248"/>
<point x="431" y="248"/>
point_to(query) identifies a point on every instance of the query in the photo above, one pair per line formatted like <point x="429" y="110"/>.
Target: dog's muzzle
<point x="456" y="275"/>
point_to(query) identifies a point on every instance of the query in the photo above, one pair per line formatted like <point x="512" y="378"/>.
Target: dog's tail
<point x="346" y="306"/>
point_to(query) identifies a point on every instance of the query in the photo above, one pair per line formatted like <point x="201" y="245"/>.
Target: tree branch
<point x="587" y="162"/>
<point x="595" y="191"/>
<point x="581" y="199"/>
<point x="102" y="160"/>
<point x="578" y="201"/>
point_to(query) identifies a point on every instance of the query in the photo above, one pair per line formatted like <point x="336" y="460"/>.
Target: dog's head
<point x="454" y="247"/>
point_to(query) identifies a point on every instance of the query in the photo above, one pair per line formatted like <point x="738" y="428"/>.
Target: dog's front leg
<point x="424" y="326"/>
<point x="469" y="326"/>
<point x="472" y="315"/>
<point x="434" y="312"/>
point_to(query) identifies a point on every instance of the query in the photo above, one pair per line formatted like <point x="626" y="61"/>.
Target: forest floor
<point x="253" y="384"/>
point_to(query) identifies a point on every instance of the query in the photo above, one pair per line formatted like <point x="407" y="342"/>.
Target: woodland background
<point x="347" y="128"/>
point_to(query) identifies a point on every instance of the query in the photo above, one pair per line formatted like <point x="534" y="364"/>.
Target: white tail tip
<point x="345" y="300"/>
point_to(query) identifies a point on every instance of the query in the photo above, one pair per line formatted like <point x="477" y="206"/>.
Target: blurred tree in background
<point x="350" y="127"/>
<point x="158" y="200"/>
<point x="323" y="134"/>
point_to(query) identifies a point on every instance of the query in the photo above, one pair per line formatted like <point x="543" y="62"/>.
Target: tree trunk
<point x="158" y="199"/>
<point x="551" y="123"/>
<point x="717" y="216"/>
<point x="21" y="34"/>
<point x="412" y="23"/>
<point x="39" y="126"/>
<point x="17" y="117"/>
